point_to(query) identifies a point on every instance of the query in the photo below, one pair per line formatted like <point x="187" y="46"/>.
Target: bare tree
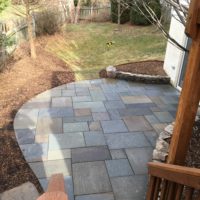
<point x="179" y="12"/>
<point x="26" y="11"/>
<point x="30" y="28"/>
<point x="121" y="8"/>
<point x="78" y="9"/>
<point x="72" y="11"/>
<point x="64" y="7"/>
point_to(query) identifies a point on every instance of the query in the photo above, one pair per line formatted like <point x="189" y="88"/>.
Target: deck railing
<point x="56" y="189"/>
<point x="172" y="182"/>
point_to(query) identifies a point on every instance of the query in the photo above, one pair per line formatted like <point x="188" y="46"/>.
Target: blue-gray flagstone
<point x="99" y="134"/>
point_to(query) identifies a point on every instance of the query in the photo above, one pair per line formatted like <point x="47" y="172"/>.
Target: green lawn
<point x="83" y="47"/>
<point x="10" y="13"/>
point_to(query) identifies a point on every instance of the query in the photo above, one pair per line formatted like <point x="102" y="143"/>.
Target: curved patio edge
<point x="97" y="127"/>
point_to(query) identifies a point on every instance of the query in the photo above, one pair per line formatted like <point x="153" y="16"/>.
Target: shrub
<point x="137" y="18"/>
<point x="125" y="17"/>
<point x="3" y="4"/>
<point x="47" y="22"/>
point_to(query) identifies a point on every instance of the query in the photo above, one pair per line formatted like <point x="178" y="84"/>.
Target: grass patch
<point x="10" y="12"/>
<point x="83" y="47"/>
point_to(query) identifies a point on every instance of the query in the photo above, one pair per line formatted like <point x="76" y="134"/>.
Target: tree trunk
<point x="30" y="30"/>
<point x="78" y="8"/>
<point x="72" y="11"/>
<point x="63" y="4"/>
<point x="119" y="13"/>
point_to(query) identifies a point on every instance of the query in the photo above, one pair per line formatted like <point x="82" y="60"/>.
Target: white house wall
<point x="174" y="56"/>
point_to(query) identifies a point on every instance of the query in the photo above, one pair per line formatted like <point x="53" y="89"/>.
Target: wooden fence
<point x="12" y="33"/>
<point x="17" y="28"/>
<point x="98" y="13"/>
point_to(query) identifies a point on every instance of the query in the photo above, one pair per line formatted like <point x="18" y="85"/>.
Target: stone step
<point x="26" y="191"/>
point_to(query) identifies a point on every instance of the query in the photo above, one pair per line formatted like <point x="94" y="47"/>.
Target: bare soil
<point x="152" y="67"/>
<point x="23" y="79"/>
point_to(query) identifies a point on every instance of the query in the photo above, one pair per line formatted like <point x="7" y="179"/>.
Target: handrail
<point x="56" y="189"/>
<point x="178" y="174"/>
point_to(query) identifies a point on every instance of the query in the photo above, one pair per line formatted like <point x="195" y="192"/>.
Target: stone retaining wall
<point x="161" y="150"/>
<point x="113" y="73"/>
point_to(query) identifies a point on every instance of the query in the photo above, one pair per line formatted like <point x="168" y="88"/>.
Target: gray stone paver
<point x="66" y="141"/>
<point x="90" y="154"/>
<point x="48" y="125"/>
<point x="129" y="187"/>
<point x="59" y="154"/>
<point x="95" y="126"/>
<point x="47" y="168"/>
<point x="82" y="112"/>
<point x="61" y="102"/>
<point x="118" y="154"/>
<point x="105" y="196"/>
<point x="26" y="191"/>
<point x="100" y="116"/>
<point x="113" y="126"/>
<point x="136" y="99"/>
<point x="152" y="136"/>
<point x="105" y="130"/>
<point x="68" y="185"/>
<point x="90" y="178"/>
<point x="151" y="119"/>
<point x="35" y="152"/>
<point x="25" y="136"/>
<point x="164" y="117"/>
<point x="56" y="112"/>
<point x="137" y="123"/>
<point x="138" y="158"/>
<point x="81" y="98"/>
<point x="114" y="105"/>
<point x="94" y="139"/>
<point x="75" y="127"/>
<point x="118" y="168"/>
<point x="126" y="140"/>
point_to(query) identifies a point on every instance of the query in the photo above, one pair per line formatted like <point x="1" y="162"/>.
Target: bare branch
<point x="180" y="9"/>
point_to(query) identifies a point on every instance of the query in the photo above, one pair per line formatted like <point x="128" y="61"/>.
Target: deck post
<point x="190" y="95"/>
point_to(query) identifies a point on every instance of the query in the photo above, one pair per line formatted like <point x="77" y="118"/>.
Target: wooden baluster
<point x="56" y="189"/>
<point x="179" y="192"/>
<point x="56" y="183"/>
<point x="151" y="187"/>
<point x="189" y="193"/>
<point x="170" y="191"/>
<point x="198" y="195"/>
<point x="157" y="189"/>
<point x="163" y="190"/>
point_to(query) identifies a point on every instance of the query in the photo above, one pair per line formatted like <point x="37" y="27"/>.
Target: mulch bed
<point x="193" y="156"/>
<point x="152" y="67"/>
<point x="23" y="79"/>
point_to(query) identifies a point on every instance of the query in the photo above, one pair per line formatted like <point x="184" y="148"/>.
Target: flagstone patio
<point x="100" y="134"/>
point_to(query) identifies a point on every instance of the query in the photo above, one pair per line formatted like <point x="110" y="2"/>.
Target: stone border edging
<point x="156" y="79"/>
<point x="161" y="151"/>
